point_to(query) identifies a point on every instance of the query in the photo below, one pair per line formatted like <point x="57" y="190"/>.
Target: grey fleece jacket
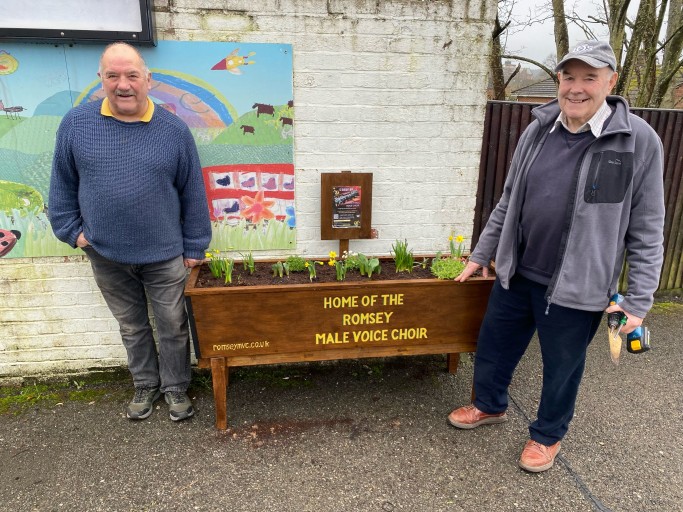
<point x="616" y="209"/>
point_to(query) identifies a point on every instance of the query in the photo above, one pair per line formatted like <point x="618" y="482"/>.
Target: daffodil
<point x="459" y="239"/>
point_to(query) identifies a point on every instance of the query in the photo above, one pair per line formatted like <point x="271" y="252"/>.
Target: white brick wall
<point x="374" y="91"/>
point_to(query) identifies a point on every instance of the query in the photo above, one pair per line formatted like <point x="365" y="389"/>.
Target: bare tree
<point x="646" y="64"/>
<point x="671" y="59"/>
<point x="560" y="25"/>
<point x="496" y="61"/>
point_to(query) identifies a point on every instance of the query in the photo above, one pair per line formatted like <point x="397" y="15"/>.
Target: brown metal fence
<point x="505" y="121"/>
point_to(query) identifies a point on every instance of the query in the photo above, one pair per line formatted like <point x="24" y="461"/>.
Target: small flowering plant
<point x="310" y="266"/>
<point x="221" y="267"/>
<point x="449" y="267"/>
<point x="213" y="259"/>
<point x="456" y="251"/>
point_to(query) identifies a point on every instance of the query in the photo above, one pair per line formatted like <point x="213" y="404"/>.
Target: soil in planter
<point x="263" y="275"/>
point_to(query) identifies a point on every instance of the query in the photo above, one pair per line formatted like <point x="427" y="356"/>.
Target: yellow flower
<point x="306" y="265"/>
<point x="208" y="255"/>
<point x="331" y="263"/>
<point x="333" y="254"/>
<point x="459" y="239"/>
<point x="450" y="238"/>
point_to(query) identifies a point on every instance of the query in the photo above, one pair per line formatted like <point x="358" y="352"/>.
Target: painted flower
<point x="258" y="208"/>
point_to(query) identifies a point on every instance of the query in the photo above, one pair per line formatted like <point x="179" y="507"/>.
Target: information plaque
<point x="346" y="211"/>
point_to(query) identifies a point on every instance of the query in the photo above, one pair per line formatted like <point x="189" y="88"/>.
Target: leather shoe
<point x="537" y="457"/>
<point x="469" y="416"/>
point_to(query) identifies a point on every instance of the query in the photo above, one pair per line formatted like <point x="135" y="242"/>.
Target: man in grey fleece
<point x="585" y="190"/>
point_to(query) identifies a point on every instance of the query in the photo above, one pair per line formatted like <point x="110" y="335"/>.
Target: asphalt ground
<point x="360" y="435"/>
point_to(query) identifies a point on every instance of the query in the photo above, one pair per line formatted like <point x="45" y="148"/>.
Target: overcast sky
<point x="537" y="41"/>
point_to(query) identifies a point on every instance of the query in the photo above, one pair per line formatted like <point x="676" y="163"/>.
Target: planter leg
<point x="219" y="376"/>
<point x="452" y="360"/>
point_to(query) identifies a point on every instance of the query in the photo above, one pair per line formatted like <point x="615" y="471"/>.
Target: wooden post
<point x="219" y="376"/>
<point x="452" y="361"/>
<point x="343" y="247"/>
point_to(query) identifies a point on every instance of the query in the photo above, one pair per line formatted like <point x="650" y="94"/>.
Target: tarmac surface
<point x="361" y="435"/>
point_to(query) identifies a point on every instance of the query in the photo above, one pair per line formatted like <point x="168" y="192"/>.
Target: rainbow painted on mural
<point x="196" y="102"/>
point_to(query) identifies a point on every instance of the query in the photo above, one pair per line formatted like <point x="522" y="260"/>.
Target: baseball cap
<point x="597" y="54"/>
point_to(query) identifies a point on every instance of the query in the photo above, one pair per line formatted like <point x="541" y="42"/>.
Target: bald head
<point x="121" y="48"/>
<point x="126" y="81"/>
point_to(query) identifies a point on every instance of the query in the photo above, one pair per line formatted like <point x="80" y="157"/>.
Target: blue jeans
<point x="126" y="288"/>
<point x="564" y="334"/>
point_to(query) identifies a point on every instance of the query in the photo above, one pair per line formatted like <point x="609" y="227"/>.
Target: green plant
<point x="403" y="258"/>
<point x="447" y="268"/>
<point x="351" y="260"/>
<point x="368" y="266"/>
<point x="296" y="263"/>
<point x="248" y="262"/>
<point x="280" y="269"/>
<point x="340" y="268"/>
<point x="228" y="264"/>
<point x="215" y="263"/>
<point x="456" y="252"/>
<point x="310" y="266"/>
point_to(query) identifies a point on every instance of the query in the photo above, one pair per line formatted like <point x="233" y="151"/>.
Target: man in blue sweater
<point x="584" y="191"/>
<point x="127" y="188"/>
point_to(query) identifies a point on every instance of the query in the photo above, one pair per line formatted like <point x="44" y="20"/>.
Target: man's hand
<point x="470" y="269"/>
<point x="189" y="262"/>
<point x="81" y="241"/>
<point x="632" y="321"/>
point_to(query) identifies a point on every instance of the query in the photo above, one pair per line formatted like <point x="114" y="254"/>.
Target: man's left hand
<point x="632" y="321"/>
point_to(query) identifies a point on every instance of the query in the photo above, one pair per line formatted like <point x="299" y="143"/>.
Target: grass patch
<point x="667" y="307"/>
<point x="92" y="387"/>
<point x="18" y="400"/>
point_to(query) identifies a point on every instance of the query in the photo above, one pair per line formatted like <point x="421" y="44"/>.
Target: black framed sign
<point x="346" y="210"/>
<point x="66" y="21"/>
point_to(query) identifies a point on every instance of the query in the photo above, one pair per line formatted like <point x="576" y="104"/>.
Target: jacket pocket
<point x="609" y="177"/>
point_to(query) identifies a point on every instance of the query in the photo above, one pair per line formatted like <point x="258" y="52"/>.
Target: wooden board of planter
<point x="251" y="325"/>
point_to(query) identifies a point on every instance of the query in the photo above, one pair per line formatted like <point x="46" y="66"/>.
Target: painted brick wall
<point x="392" y="87"/>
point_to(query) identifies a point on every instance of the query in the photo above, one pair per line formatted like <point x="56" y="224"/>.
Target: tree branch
<point x="550" y="72"/>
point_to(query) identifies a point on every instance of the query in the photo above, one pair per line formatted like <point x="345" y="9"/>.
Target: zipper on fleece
<point x="569" y="220"/>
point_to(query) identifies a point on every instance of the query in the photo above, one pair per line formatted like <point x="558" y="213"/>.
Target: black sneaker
<point x="142" y="404"/>
<point x="180" y="407"/>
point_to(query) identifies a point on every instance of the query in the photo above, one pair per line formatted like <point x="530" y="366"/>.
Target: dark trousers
<point x="564" y="334"/>
<point x="126" y="289"/>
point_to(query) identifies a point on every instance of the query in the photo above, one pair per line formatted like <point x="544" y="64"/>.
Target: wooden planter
<point x="250" y="325"/>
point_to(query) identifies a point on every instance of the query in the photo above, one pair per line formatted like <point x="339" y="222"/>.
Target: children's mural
<point x="235" y="97"/>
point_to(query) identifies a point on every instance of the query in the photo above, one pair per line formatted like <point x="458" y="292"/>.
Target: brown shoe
<point x="537" y="457"/>
<point x="470" y="417"/>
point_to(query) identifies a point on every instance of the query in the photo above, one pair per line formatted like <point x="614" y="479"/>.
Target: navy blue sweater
<point x="135" y="190"/>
